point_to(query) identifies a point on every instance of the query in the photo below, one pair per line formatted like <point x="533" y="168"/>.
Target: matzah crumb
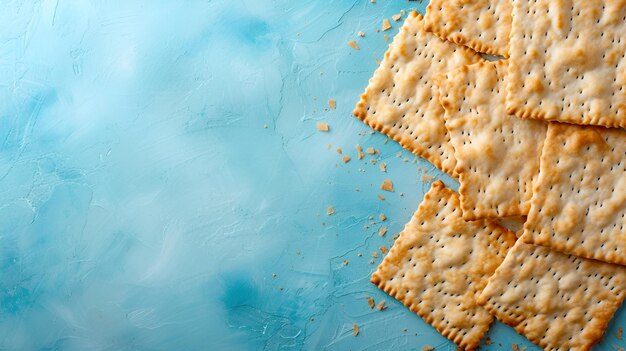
<point x="345" y="159"/>
<point x="332" y="103"/>
<point x="384" y="249"/>
<point x="381" y="197"/>
<point x="385" y="37"/>
<point x="265" y="126"/>
<point x="373" y="161"/>
<point x="488" y="341"/>
<point x="371" y="302"/>
<point x="273" y="275"/>
<point x="396" y="17"/>
<point x="375" y="254"/>
<point x="514" y="347"/>
<point x="330" y="211"/>
<point x="386" y="25"/>
<point x="383" y="167"/>
<point x="370" y="150"/>
<point x="345" y="262"/>
<point x="619" y="333"/>
<point x="387" y="185"/>
<point x="323" y="127"/>
<point x="361" y="34"/>
<point x="382" y="231"/>
<point x="381" y="306"/>
<point x="427" y="178"/>
<point x="339" y="151"/>
<point x="427" y="348"/>
<point x="353" y="44"/>
<point x="355" y="328"/>
<point x="372" y="261"/>
<point x="358" y="148"/>
<point x="382" y="217"/>
<point x="359" y="254"/>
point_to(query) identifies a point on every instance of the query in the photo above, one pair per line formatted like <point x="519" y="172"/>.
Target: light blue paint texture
<point x="144" y="206"/>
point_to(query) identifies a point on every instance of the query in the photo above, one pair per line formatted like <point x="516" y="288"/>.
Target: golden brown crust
<point x="497" y="154"/>
<point x="557" y="301"/>
<point x="400" y="100"/>
<point x="567" y="62"/>
<point x="579" y="200"/>
<point x="440" y="263"/>
<point x="482" y="25"/>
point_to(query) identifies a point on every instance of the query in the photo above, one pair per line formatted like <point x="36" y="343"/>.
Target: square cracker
<point x="568" y="61"/>
<point x="579" y="200"/>
<point x="497" y="155"/>
<point x="400" y="98"/>
<point x="557" y="301"/>
<point x="440" y="263"/>
<point x="483" y="25"/>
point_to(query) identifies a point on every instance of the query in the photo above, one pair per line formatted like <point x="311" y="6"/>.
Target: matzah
<point x="567" y="61"/>
<point x="557" y="301"/>
<point x="440" y="263"/>
<point x="400" y="98"/>
<point x="497" y="154"/>
<point x="482" y="25"/>
<point x="579" y="200"/>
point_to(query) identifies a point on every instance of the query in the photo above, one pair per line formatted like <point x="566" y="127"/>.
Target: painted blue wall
<point x="144" y="205"/>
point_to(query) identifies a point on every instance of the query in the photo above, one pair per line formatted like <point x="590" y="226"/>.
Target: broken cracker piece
<point x="355" y="329"/>
<point x="396" y="17"/>
<point x="354" y="45"/>
<point x="557" y="301"/>
<point x="440" y="264"/>
<point x="382" y="217"/>
<point x="386" y="25"/>
<point x="322" y="126"/>
<point x="361" y="34"/>
<point x="497" y="155"/>
<point x="383" y="167"/>
<point x="370" y="150"/>
<point x="360" y="151"/>
<point x="330" y="210"/>
<point x="381" y="306"/>
<point x="384" y="249"/>
<point x="381" y="197"/>
<point x="382" y="231"/>
<point x="371" y="302"/>
<point x="400" y="99"/>
<point x="387" y="185"/>
<point x="332" y="103"/>
<point x="345" y="159"/>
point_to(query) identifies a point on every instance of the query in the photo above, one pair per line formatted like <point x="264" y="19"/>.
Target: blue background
<point x="145" y="206"/>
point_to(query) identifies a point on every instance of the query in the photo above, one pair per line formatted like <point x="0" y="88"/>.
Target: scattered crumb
<point x="427" y="178"/>
<point x="370" y="150"/>
<point x="372" y="261"/>
<point x="488" y="341"/>
<point x="373" y="1"/>
<point x="384" y="249"/>
<point x="427" y="348"/>
<point x="366" y="227"/>
<point x="401" y="194"/>
<point x="273" y="275"/>
<point x="356" y="329"/>
<point x="403" y="12"/>
<point x="386" y="24"/>
<point x="339" y="151"/>
<point x="370" y="217"/>
<point x="359" y="254"/>
<point x="375" y="254"/>
<point x="373" y="161"/>
<point x="265" y="126"/>
<point x="514" y="347"/>
<point x="332" y="104"/>
<point x="357" y="190"/>
<point x="353" y="44"/>
<point x="619" y="333"/>
<point x="382" y="231"/>
<point x="330" y="211"/>
<point x="358" y="148"/>
<point x="345" y="262"/>
<point x="387" y="185"/>
<point x="396" y="17"/>
<point x="322" y="127"/>
<point x="361" y="34"/>
<point x="382" y="217"/>
<point x="381" y="197"/>
<point x="371" y="302"/>
<point x="620" y="349"/>
<point x="396" y="236"/>
<point x="381" y="306"/>
<point x="386" y="37"/>
<point x="377" y="61"/>
<point x="346" y="159"/>
<point x="383" y="167"/>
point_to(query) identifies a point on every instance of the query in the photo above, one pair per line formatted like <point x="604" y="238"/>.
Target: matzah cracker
<point x="579" y="200"/>
<point x="557" y="301"/>
<point x="400" y="98"/>
<point x="568" y="61"/>
<point x="440" y="263"/>
<point x="483" y="25"/>
<point x="497" y="154"/>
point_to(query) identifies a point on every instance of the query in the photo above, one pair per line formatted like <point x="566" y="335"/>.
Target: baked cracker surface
<point x="483" y="25"/>
<point x="568" y="61"/>
<point x="557" y="301"/>
<point x="400" y="99"/>
<point x="497" y="154"/>
<point x="579" y="201"/>
<point x="440" y="263"/>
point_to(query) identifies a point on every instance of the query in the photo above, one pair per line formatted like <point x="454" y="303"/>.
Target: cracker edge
<point x="360" y="112"/>
<point x="376" y="279"/>
<point x="471" y="43"/>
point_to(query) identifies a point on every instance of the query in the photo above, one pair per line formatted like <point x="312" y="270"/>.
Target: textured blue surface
<point x="144" y="206"/>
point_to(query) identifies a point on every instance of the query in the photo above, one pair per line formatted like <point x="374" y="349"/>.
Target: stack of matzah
<point x="538" y="135"/>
